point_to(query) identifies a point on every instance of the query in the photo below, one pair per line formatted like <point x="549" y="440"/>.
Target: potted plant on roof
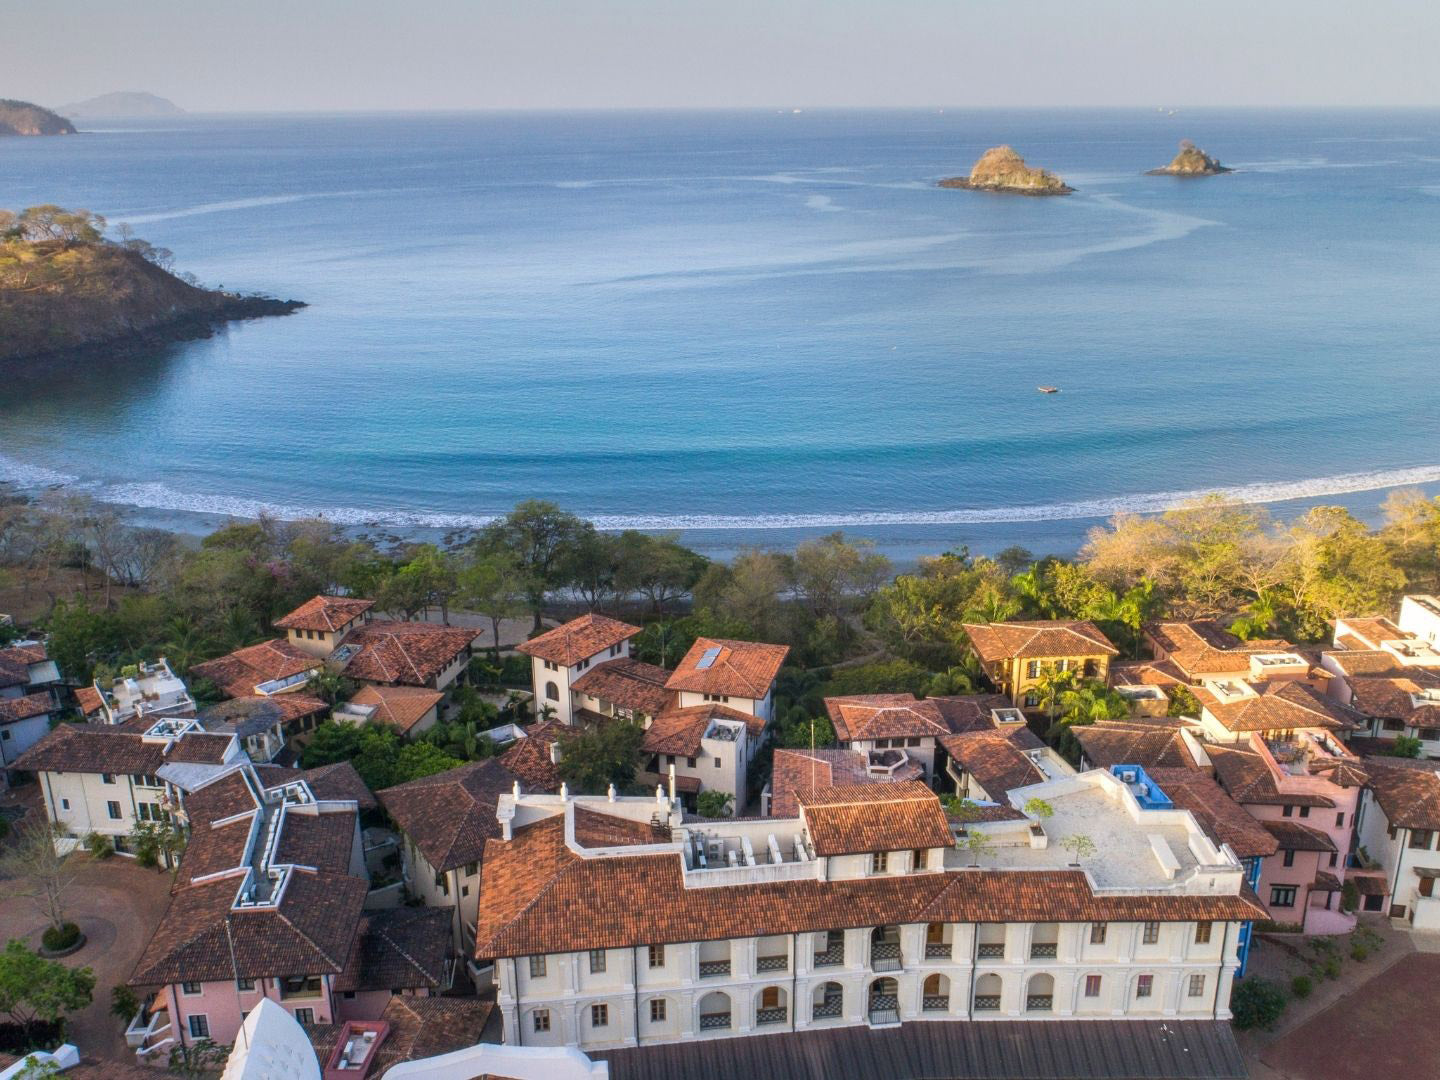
<point x="1080" y="847"/>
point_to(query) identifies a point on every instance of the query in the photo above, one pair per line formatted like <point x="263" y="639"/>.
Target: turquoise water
<point x="756" y="325"/>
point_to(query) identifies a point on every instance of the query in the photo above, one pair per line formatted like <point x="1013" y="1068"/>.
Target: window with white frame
<point x="1197" y="986"/>
<point x="199" y="1026"/>
<point x="537" y="967"/>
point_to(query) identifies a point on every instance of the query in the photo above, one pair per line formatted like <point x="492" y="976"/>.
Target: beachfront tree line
<point x="113" y="594"/>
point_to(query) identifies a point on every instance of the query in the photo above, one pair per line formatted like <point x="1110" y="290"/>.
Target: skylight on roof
<point x="708" y="660"/>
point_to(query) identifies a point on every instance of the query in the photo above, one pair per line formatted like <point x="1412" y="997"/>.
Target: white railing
<point x="751" y="875"/>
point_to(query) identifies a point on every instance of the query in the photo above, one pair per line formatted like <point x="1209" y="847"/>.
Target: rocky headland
<point x="1001" y="169"/>
<point x="122" y="104"/>
<point x="25" y="118"/>
<point x="1191" y="161"/>
<point x="65" y="289"/>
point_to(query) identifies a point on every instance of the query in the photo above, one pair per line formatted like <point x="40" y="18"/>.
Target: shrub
<point x="123" y="1003"/>
<point x="100" y="847"/>
<point x="1349" y="896"/>
<point x="1257" y="1003"/>
<point x="56" y="938"/>
<point x="1359" y="952"/>
<point x="1330" y="967"/>
<point x="1301" y="986"/>
<point x="714" y="804"/>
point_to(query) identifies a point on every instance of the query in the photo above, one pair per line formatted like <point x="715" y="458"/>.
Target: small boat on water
<point x="1048" y="389"/>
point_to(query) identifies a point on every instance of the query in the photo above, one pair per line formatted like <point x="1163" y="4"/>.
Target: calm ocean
<point x="753" y="326"/>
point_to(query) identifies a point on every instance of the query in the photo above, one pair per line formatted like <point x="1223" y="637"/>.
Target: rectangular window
<point x="1144" y="985"/>
<point x="199" y="1026"/>
<point x="190" y="988"/>
<point x="1152" y="933"/>
<point x="918" y="858"/>
<point x="113" y="809"/>
<point x="657" y="1010"/>
<point x="471" y="869"/>
<point x="107" y="778"/>
<point x="879" y="862"/>
<point x="717" y="763"/>
<point x="1197" y="986"/>
<point x="1334" y="857"/>
<point x="1340" y="821"/>
<point x="1031" y="700"/>
<point x="245" y="984"/>
<point x="1282" y="895"/>
<point x="537" y="967"/>
<point x="1202" y="933"/>
<point x="599" y="1015"/>
<point x="1289" y="854"/>
<point x="690" y="763"/>
<point x="1097" y="933"/>
<point x="597" y="961"/>
<point x="442" y="882"/>
<point x="542" y="1019"/>
<point x="1420" y="839"/>
<point x="305" y="1016"/>
<point x="1287" y="810"/>
<point x="657" y="956"/>
<point x="64" y="804"/>
<point x="1304" y="811"/>
<point x="1092" y="985"/>
<point x="1032" y="669"/>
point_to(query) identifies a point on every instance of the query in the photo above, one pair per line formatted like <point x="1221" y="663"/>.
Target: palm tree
<point x="1034" y="592"/>
<point x="1051" y="688"/>
<point x="1260" y="615"/>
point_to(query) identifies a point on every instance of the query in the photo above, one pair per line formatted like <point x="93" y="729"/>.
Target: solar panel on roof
<point x="711" y="655"/>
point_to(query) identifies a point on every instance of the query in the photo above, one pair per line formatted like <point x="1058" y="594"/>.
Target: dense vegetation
<point x="25" y="118"/>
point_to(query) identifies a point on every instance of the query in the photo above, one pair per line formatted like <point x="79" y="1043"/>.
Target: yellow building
<point x="1017" y="655"/>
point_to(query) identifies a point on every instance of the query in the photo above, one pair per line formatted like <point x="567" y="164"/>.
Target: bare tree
<point x="37" y="871"/>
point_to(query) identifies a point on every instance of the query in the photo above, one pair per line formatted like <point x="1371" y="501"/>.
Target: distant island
<point x="65" y="288"/>
<point x="27" y="118"/>
<point x="1001" y="169"/>
<point x="121" y="103"/>
<point x="1191" y="161"/>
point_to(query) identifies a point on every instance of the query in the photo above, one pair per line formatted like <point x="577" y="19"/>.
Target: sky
<point x="321" y="55"/>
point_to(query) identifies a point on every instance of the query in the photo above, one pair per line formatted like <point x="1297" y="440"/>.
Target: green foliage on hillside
<point x="27" y="118"/>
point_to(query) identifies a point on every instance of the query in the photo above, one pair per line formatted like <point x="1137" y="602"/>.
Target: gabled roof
<point x="420" y="1027"/>
<point x="1121" y="742"/>
<point x="1244" y="774"/>
<point x="529" y="758"/>
<point x="594" y="829"/>
<point x="1222" y="818"/>
<point x="400" y="707"/>
<point x="804" y="771"/>
<point x="246" y="716"/>
<point x="1293" y="836"/>
<point x="994" y="760"/>
<point x="1408" y="793"/>
<point x="104" y="748"/>
<point x="1204" y="647"/>
<point x="874" y="817"/>
<point x="337" y="781"/>
<point x="630" y="684"/>
<point x="89" y="701"/>
<point x="1286" y="706"/>
<point x="408" y="653"/>
<point x="1038" y="639"/>
<point x="15" y="663"/>
<point x="324" y="613"/>
<point x="863" y="717"/>
<point x="25" y="708"/>
<point x="971" y="712"/>
<point x="578" y="639"/>
<point x="402" y="948"/>
<point x="450" y="815"/>
<point x="679" y="731"/>
<point x="731" y="668"/>
<point x="239" y="672"/>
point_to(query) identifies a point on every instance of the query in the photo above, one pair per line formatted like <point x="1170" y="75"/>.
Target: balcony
<point x="879" y="1017"/>
<point x="714" y="969"/>
<point x="987" y="1002"/>
<point x="885" y="956"/>
<point x="1043" y="950"/>
<point x="831" y="957"/>
<point x="146" y="1028"/>
<point x="777" y="1015"/>
<point x="991" y="952"/>
<point x="714" y="1021"/>
<point x="935" y="1003"/>
<point x="772" y="963"/>
<point x="1039" y="1002"/>
<point x="825" y="1009"/>
<point x="937" y="950"/>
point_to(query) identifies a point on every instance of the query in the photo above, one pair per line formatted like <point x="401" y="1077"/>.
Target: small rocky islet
<point x="1191" y="161"/>
<point x="1001" y="169"/>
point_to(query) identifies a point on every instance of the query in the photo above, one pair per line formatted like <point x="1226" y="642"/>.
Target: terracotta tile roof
<point x="23" y="708"/>
<point x="874" y="817"/>
<point x="740" y="668"/>
<point x="93" y="748"/>
<point x="884" y="716"/>
<point x="679" y="731"/>
<point x="596" y="829"/>
<point x="529" y="758"/>
<point x="214" y="849"/>
<point x="1278" y="707"/>
<point x="1409" y="795"/>
<point x="324" y="613"/>
<point x="247" y="716"/>
<point x="1244" y="774"/>
<point x="995" y="762"/>
<point x="539" y="897"/>
<point x="1341" y="772"/>
<point x="309" y="933"/>
<point x="1222" y="818"/>
<point x="200" y="748"/>
<point x="409" y="653"/>
<point x="1294" y="836"/>
<point x="15" y="663"/>
<point x="221" y="798"/>
<point x="400" y="707"/>
<point x="1351" y="662"/>
<point x="402" y="948"/>
<point x="420" y="1027"/>
<point x="970" y="712"/>
<point x="797" y="771"/>
<point x="1204" y="647"/>
<point x="239" y="672"/>
<point x="450" y="815"/>
<point x="89" y="701"/>
<point x="1038" y="639"/>
<point x="578" y="639"/>
<point x="321" y="841"/>
<point x="1160" y="673"/>
<point x="1374" y="631"/>
<point x="1326" y="881"/>
<point x="338" y="781"/>
<point x="684" y="785"/>
<point x="628" y="683"/>
<point x="1120" y="742"/>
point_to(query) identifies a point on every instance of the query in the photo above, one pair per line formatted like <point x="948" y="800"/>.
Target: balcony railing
<point x="1039" y="1002"/>
<point x="772" y="963"/>
<point x="823" y="1009"/>
<point x="936" y="1002"/>
<point x="770" y="1016"/>
<point x="832" y="956"/>
<point x="1043" y="950"/>
<point x="884" y="1016"/>
<point x="710" y="969"/>
<point x="937" y="950"/>
<point x="714" y="1021"/>
<point x="885" y="956"/>
<point x="987" y="1002"/>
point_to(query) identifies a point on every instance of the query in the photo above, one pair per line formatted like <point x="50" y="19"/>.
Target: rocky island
<point x="24" y="118"/>
<point x="122" y="104"/>
<point x="65" y="288"/>
<point x="1001" y="169"/>
<point x="1191" y="161"/>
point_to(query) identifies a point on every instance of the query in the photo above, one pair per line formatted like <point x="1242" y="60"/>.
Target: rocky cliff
<point x="23" y="118"/>
<point x="1190" y="161"/>
<point x="1001" y="169"/>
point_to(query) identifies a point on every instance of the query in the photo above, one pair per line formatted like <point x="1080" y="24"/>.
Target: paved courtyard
<point x="117" y="905"/>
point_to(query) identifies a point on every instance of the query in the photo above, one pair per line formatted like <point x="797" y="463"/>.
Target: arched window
<point x="772" y="1006"/>
<point x="552" y="692"/>
<point x="829" y="1001"/>
<point x="885" y="1001"/>
<point x="987" y="993"/>
<point x="1040" y="993"/>
<point x="715" y="1011"/>
<point x="935" y="996"/>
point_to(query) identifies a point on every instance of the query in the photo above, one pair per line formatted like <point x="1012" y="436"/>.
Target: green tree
<point x="35" y="990"/>
<point x="1256" y="1003"/>
<point x="751" y="597"/>
<point x="493" y="584"/>
<point x="1080" y="847"/>
<point x="420" y="759"/>
<point x="1406" y="746"/>
<point x="659" y="568"/>
<point x="593" y="758"/>
<point x="539" y="537"/>
<point x="714" y="804"/>
<point x="831" y="574"/>
<point x="1183" y="702"/>
<point x="37" y="871"/>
